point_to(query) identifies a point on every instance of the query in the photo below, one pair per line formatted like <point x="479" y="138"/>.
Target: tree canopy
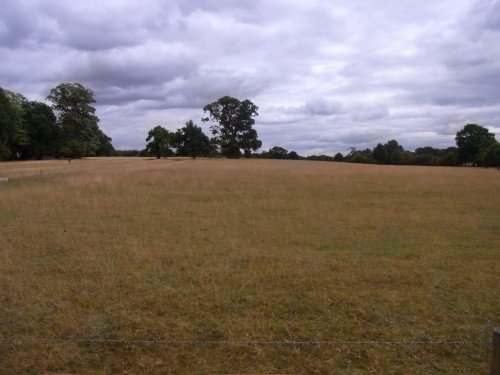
<point x="232" y="126"/>
<point x="76" y="119"/>
<point x="159" y="140"/>
<point x="278" y="152"/>
<point x="31" y="130"/>
<point x="472" y="142"/>
<point x="191" y="141"/>
<point x="10" y="121"/>
<point x="492" y="156"/>
<point x="44" y="134"/>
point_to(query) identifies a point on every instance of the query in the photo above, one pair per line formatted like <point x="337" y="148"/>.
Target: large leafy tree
<point x="472" y="142"/>
<point x="20" y="142"/>
<point x="39" y="122"/>
<point x="76" y="118"/>
<point x="232" y="127"/>
<point x="191" y="141"/>
<point x="159" y="140"/>
<point x="10" y="123"/>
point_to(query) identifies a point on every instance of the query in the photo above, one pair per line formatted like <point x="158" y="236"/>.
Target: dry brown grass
<point x="247" y="250"/>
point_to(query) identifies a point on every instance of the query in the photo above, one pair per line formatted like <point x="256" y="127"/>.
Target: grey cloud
<point x="322" y="107"/>
<point x="149" y="64"/>
<point x="365" y="113"/>
<point x="326" y="75"/>
<point x="364" y="136"/>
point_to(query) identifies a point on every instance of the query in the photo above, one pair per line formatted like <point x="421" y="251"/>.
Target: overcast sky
<point x="326" y="75"/>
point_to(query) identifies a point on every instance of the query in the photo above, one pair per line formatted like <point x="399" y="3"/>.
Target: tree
<point x="338" y="157"/>
<point x="20" y="143"/>
<point x="397" y="157"/>
<point x="395" y="152"/>
<point x="320" y="157"/>
<point x="435" y="156"/>
<point x="278" y="153"/>
<point x="105" y="147"/>
<point x="292" y="155"/>
<point x="360" y="156"/>
<point x="159" y="140"/>
<point x="233" y="125"/>
<point x="492" y="156"/>
<point x="10" y="123"/>
<point x="191" y="141"/>
<point x="44" y="134"/>
<point x="473" y="140"/>
<point x="381" y="154"/>
<point x="449" y="158"/>
<point x="76" y="118"/>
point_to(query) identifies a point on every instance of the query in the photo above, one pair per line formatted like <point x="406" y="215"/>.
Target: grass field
<point x="247" y="250"/>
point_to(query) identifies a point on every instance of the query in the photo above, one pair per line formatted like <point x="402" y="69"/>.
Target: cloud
<point x="322" y="107"/>
<point x="325" y="75"/>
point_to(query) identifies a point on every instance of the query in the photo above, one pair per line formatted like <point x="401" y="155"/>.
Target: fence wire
<point x="13" y="340"/>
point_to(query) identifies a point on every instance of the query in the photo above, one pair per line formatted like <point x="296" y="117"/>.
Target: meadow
<point x="252" y="251"/>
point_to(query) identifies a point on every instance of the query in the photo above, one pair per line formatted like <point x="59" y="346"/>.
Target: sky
<point x="326" y="75"/>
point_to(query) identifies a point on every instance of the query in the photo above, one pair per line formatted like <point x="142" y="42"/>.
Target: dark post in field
<point x="495" y="353"/>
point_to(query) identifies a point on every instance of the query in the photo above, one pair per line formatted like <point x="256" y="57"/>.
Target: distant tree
<point x="10" y="123"/>
<point x="338" y="157"/>
<point x="320" y="157"/>
<point x="424" y="159"/>
<point x="76" y="118"/>
<point x="435" y="156"/>
<point x="426" y="155"/>
<point x="427" y="150"/>
<point x="262" y="155"/>
<point x="127" y="153"/>
<point x="360" y="156"/>
<point x="233" y="125"/>
<point x="191" y="141"/>
<point x="44" y="134"/>
<point x="447" y="157"/>
<point x="472" y="141"/>
<point x="397" y="157"/>
<point x="159" y="140"/>
<point x="392" y="146"/>
<point x="381" y="154"/>
<point x="395" y="152"/>
<point x="278" y="153"/>
<point x="292" y="155"/>
<point x="492" y="156"/>
<point x="144" y="153"/>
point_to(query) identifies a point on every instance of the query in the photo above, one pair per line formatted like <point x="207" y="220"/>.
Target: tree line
<point x="476" y="146"/>
<point x="69" y="128"/>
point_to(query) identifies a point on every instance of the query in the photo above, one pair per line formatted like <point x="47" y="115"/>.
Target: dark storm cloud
<point x="325" y="75"/>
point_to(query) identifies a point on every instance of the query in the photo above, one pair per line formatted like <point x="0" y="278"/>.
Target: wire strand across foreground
<point x="235" y="342"/>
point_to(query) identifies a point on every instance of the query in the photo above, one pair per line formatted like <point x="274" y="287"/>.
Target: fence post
<point x="495" y="353"/>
